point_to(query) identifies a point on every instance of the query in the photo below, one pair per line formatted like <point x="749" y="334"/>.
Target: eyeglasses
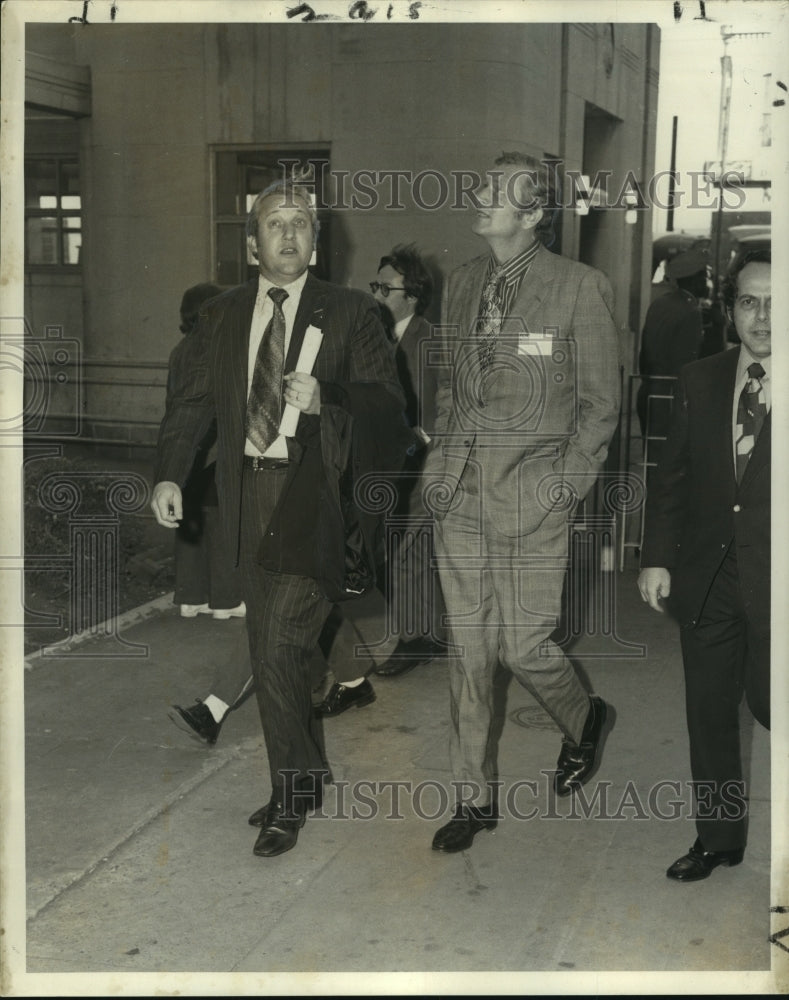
<point x="385" y="289"/>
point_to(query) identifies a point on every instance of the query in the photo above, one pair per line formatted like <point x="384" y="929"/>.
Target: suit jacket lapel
<point x="237" y="339"/>
<point x="408" y="345"/>
<point x="720" y="407"/>
<point x="531" y="294"/>
<point x="470" y="297"/>
<point x="760" y="456"/>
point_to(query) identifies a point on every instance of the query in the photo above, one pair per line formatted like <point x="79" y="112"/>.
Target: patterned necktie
<point x="489" y="322"/>
<point x="751" y="411"/>
<point x="265" y="396"/>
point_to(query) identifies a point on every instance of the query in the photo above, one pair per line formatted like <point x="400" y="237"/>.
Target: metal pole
<point x="672" y="176"/>
<point x="723" y="145"/>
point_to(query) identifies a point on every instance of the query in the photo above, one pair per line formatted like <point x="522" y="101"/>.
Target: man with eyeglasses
<point x="706" y="555"/>
<point x="403" y="290"/>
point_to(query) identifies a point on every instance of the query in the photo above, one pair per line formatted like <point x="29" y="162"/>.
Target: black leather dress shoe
<point x="280" y="830"/>
<point x="578" y="761"/>
<point x="405" y="657"/>
<point x="308" y="796"/>
<point x="340" y="698"/>
<point x="197" y="721"/>
<point x="698" y="863"/>
<point x="258" y="817"/>
<point x="458" y="834"/>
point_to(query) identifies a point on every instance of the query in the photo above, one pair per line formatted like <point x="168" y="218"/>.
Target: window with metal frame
<point x="53" y="212"/>
<point x="239" y="174"/>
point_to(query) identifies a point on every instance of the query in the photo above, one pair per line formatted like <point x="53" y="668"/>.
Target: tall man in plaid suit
<point x="286" y="499"/>
<point x="525" y="411"/>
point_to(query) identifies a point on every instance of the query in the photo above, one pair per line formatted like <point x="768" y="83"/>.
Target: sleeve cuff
<point x="333" y="394"/>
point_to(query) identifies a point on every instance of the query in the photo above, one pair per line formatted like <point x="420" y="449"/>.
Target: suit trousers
<point x="352" y="642"/>
<point x="285" y="616"/>
<point x="722" y="656"/>
<point x="503" y="596"/>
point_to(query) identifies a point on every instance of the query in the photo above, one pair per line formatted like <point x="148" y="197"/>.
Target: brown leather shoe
<point x="698" y="863"/>
<point x="458" y="834"/>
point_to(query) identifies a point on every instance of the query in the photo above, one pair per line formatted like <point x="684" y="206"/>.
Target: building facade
<point x="145" y="143"/>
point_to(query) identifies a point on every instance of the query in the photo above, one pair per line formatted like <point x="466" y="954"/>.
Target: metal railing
<point x="645" y="460"/>
<point x="108" y="380"/>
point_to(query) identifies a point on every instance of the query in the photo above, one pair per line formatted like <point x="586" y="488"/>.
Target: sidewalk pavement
<point x="139" y="855"/>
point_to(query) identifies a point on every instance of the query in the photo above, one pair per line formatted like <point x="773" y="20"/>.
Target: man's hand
<point x="303" y="392"/>
<point x="167" y="504"/>
<point x="654" y="582"/>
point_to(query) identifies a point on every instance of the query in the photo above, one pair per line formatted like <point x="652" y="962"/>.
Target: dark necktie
<point x="751" y="411"/>
<point x="264" y="406"/>
<point x="489" y="322"/>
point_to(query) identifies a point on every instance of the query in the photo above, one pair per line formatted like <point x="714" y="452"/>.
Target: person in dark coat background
<point x="206" y="579"/>
<point x="706" y="554"/>
<point x="411" y="606"/>
<point x="672" y="337"/>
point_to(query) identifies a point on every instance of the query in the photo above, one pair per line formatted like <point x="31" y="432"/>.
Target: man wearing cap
<point x="671" y="338"/>
<point x="706" y="552"/>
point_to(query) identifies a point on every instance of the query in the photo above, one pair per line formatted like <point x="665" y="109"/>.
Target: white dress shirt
<point x="401" y="326"/>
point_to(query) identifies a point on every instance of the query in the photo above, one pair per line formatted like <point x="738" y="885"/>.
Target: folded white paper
<point x="307" y="355"/>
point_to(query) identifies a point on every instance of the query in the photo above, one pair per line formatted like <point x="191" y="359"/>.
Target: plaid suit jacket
<point x="541" y="419"/>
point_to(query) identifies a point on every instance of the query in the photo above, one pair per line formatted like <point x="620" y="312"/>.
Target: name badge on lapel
<point x="538" y="344"/>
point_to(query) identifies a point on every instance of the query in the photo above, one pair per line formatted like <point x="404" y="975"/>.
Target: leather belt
<point x="259" y="463"/>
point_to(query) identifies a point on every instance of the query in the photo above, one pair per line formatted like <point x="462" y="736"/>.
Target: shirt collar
<point x="746" y="359"/>
<point x="401" y="326"/>
<point x="294" y="289"/>
<point x="514" y="268"/>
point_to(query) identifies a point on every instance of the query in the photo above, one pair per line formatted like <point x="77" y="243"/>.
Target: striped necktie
<point x="751" y="411"/>
<point x="264" y="406"/>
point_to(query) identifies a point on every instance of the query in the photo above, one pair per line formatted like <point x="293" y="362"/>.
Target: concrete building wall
<point x="440" y="97"/>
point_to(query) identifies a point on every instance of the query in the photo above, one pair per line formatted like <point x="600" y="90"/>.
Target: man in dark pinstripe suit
<point x="285" y="498"/>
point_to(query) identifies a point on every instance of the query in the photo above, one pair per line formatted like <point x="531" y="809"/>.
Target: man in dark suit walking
<point x="526" y="407"/>
<point x="706" y="552"/>
<point x="287" y="500"/>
